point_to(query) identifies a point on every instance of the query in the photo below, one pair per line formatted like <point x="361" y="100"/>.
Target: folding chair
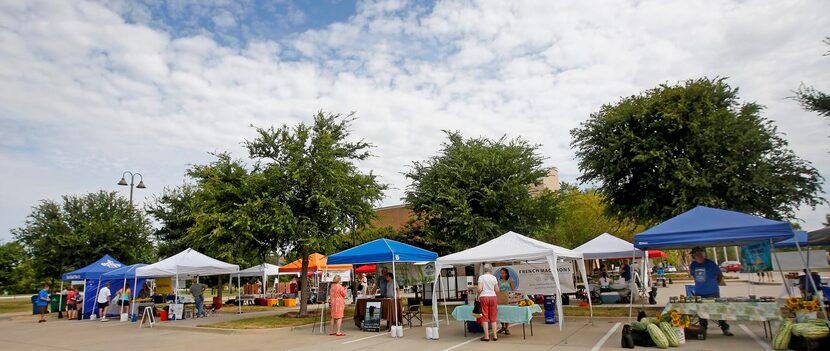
<point x="413" y="311"/>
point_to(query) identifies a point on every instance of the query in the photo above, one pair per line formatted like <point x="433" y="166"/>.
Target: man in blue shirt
<point x="42" y="302"/>
<point x="707" y="276"/>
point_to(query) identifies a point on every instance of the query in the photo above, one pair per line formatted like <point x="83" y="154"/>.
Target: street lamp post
<point x="140" y="185"/>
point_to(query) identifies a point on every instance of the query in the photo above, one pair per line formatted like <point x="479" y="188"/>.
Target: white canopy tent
<point x="513" y="247"/>
<point x="187" y="263"/>
<point x="606" y="246"/>
<point x="264" y="270"/>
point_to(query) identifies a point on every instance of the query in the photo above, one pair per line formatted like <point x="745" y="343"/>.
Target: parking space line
<point x="461" y="344"/>
<point x="364" y="338"/>
<point x="605" y="337"/>
<point x="374" y="336"/>
<point x="758" y="340"/>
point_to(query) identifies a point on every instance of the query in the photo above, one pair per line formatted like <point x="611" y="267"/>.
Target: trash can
<point x="550" y="310"/>
<point x="34" y="306"/>
<point x="57" y="302"/>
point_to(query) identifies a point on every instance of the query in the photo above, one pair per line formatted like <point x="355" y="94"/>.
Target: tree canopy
<point x="477" y="189"/>
<point x="67" y="235"/>
<point x="582" y="217"/>
<point x="668" y="149"/>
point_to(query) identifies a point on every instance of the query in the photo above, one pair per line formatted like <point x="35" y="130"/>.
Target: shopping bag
<point x="477" y="309"/>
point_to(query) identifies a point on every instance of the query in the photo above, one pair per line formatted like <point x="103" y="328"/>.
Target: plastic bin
<point x="290" y="302"/>
<point x="273" y="302"/>
<point x="162" y="315"/>
<point x="690" y="290"/>
<point x="57" y="302"/>
<point x="34" y="306"/>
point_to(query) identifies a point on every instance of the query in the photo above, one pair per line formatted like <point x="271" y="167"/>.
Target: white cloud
<point x="87" y="94"/>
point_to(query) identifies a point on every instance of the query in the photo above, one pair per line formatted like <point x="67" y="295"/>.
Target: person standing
<point x="707" y="276"/>
<point x="198" y="292"/>
<point x="72" y="303"/>
<point x="362" y="285"/>
<point x="505" y="284"/>
<point x="104" y="302"/>
<point x="381" y="282"/>
<point x="488" y="286"/>
<point x="42" y="302"/>
<point x="122" y="298"/>
<point x="337" y="301"/>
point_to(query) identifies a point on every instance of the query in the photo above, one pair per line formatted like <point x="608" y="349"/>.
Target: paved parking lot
<point x="22" y="333"/>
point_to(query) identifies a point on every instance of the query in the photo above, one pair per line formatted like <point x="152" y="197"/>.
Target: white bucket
<point x="125" y="317"/>
<point x="429" y="333"/>
<point x="93" y="317"/>
<point x="399" y="333"/>
<point x="393" y="332"/>
<point x="434" y="333"/>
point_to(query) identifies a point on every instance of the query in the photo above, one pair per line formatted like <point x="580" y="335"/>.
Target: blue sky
<point x="91" y="88"/>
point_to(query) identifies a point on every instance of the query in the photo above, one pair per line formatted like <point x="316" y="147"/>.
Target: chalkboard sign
<point x="371" y="319"/>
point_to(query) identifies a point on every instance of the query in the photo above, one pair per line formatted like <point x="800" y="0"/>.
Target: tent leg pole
<point x="238" y="294"/>
<point x="60" y="300"/>
<point x="783" y="278"/>
<point x="809" y="278"/>
<point x="133" y="305"/>
<point x="394" y="293"/>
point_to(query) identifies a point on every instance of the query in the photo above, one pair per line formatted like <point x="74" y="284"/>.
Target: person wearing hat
<point x="707" y="277"/>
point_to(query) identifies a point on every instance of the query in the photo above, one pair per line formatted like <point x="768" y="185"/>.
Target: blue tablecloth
<point x="507" y="313"/>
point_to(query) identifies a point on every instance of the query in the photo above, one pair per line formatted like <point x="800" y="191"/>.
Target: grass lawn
<point x="15" y="305"/>
<point x="287" y="319"/>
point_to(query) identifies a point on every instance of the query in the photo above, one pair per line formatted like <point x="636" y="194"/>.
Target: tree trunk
<point x="305" y="292"/>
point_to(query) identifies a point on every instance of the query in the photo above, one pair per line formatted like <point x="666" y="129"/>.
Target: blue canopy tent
<point x="383" y="251"/>
<point x="799" y="237"/>
<point x="91" y="275"/>
<point x="706" y="226"/>
<point x="120" y="277"/>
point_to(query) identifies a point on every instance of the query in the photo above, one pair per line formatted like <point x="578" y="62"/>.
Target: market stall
<point x="89" y="276"/>
<point x="382" y="251"/>
<point x="607" y="247"/>
<point x="187" y="264"/>
<point x="711" y="227"/>
<point x="120" y="277"/>
<point x="264" y="271"/>
<point x="514" y="247"/>
<point x="317" y="265"/>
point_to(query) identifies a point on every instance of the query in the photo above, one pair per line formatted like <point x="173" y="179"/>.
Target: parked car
<point x="730" y="266"/>
<point x="671" y="269"/>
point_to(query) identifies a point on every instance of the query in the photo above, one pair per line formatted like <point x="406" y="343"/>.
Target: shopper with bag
<point x="488" y="286"/>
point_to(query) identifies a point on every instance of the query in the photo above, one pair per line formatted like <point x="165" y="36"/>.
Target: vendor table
<point x="385" y="310"/>
<point x="731" y="311"/>
<point x="507" y="314"/>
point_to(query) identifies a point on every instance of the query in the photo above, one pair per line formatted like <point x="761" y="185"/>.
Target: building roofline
<point x="390" y="207"/>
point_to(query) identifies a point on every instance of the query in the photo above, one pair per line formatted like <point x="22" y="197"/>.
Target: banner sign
<point x="371" y="319"/>
<point x="536" y="279"/>
<point x="756" y="258"/>
<point x="345" y="276"/>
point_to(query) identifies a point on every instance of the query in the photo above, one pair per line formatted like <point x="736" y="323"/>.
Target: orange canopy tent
<point x="316" y="262"/>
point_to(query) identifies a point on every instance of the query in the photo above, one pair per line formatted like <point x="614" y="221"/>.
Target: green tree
<point x="62" y="236"/>
<point x="16" y="275"/>
<point x="664" y="151"/>
<point x="582" y="217"/>
<point x="812" y="99"/>
<point x="477" y="189"/>
<point x="174" y="210"/>
<point x="306" y="187"/>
